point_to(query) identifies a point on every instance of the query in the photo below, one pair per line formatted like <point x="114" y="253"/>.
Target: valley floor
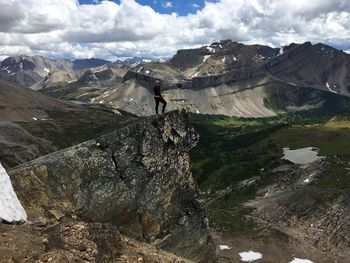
<point x="272" y="250"/>
<point x="258" y="201"/>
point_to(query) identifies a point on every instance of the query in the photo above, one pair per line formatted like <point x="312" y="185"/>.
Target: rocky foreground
<point x="135" y="181"/>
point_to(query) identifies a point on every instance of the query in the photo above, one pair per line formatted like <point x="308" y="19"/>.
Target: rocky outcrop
<point x="138" y="178"/>
<point x="70" y="240"/>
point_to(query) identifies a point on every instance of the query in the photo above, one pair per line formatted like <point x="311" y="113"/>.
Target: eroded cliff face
<point x="138" y="178"/>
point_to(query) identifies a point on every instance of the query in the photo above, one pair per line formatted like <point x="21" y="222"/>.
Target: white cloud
<point x="67" y="29"/>
<point x="167" y="4"/>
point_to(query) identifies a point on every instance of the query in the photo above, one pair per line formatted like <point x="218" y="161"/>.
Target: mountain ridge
<point x="225" y="77"/>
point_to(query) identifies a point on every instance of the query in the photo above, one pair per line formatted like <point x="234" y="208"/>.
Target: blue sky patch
<point x="179" y="7"/>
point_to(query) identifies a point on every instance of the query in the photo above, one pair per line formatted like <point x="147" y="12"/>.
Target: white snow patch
<point x="197" y="111"/>
<point x="147" y="71"/>
<point x="196" y="74"/>
<point x="281" y="51"/>
<point x="293" y="84"/>
<point x="101" y="102"/>
<point x="13" y="73"/>
<point x="110" y="102"/>
<point x="220" y="46"/>
<point x="5" y="68"/>
<point x="211" y="50"/>
<point x="298" y="260"/>
<point x="329" y="88"/>
<point x="250" y="256"/>
<point x="302" y="155"/>
<point x="223" y="59"/>
<point x="147" y="60"/>
<point x="234" y="58"/>
<point x="10" y="207"/>
<point x="34" y="118"/>
<point x="100" y="69"/>
<point x="21" y="66"/>
<point x="139" y="70"/>
<point x="131" y="99"/>
<point x="47" y="70"/>
<point x="309" y="179"/>
<point x="94" y="76"/>
<point x="222" y="247"/>
<point x="206" y="57"/>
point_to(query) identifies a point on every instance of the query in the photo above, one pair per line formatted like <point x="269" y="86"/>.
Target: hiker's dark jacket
<point x="157" y="91"/>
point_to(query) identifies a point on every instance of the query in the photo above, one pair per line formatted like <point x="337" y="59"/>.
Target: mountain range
<point x="238" y="80"/>
<point x="225" y="77"/>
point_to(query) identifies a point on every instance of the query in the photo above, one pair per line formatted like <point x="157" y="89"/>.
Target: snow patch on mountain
<point x="329" y="88"/>
<point x="281" y="51"/>
<point x="205" y="58"/>
<point x="223" y="247"/>
<point x="298" y="260"/>
<point x="211" y="50"/>
<point x="195" y="74"/>
<point x="94" y="76"/>
<point x="250" y="256"/>
<point x="11" y="209"/>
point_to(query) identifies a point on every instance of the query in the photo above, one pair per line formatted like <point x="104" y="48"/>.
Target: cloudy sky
<point x="157" y="28"/>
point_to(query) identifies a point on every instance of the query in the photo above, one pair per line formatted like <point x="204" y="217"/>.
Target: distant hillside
<point x="28" y="70"/>
<point x="32" y="124"/>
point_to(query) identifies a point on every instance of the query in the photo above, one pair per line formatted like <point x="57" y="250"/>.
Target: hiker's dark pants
<point x="160" y="99"/>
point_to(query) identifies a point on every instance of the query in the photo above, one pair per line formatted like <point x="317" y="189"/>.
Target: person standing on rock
<point x="158" y="96"/>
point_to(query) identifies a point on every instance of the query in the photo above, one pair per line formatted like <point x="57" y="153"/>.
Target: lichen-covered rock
<point x="137" y="178"/>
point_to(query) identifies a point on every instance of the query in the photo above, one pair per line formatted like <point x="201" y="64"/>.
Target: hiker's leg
<point x="164" y="105"/>
<point x="157" y="104"/>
